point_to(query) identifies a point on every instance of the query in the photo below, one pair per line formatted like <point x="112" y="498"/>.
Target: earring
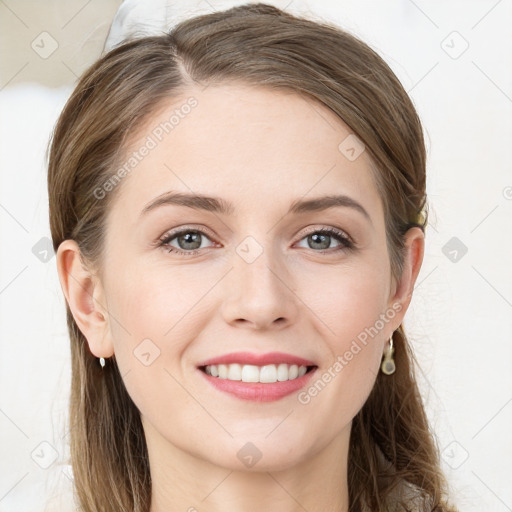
<point x="388" y="363"/>
<point x="102" y="362"/>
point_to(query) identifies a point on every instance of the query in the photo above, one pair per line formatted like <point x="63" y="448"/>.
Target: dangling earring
<point x="388" y="364"/>
<point x="102" y="362"/>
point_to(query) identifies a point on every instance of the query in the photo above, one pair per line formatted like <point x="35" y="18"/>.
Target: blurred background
<point x="454" y="58"/>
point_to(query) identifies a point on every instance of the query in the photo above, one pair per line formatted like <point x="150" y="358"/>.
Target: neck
<point x="183" y="482"/>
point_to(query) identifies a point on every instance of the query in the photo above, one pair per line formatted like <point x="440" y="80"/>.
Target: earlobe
<point x="84" y="296"/>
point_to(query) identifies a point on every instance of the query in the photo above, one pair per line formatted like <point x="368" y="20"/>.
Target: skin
<point x="260" y="150"/>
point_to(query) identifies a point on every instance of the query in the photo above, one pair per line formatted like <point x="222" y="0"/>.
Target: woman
<point x="238" y="209"/>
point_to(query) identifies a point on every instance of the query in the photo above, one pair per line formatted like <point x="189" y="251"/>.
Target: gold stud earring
<point x="388" y="363"/>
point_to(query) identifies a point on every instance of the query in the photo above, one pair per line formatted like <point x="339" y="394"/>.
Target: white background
<point x="460" y="320"/>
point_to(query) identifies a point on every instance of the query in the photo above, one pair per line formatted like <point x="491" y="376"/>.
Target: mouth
<point x="252" y="383"/>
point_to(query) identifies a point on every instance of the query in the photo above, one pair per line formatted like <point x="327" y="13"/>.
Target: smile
<point x="234" y="383"/>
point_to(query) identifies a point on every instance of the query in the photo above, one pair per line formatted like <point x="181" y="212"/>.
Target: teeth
<point x="250" y="373"/>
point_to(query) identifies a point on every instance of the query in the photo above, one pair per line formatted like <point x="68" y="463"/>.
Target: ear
<point x="414" y="248"/>
<point x="86" y="299"/>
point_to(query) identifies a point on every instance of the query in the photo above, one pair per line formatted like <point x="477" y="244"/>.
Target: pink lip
<point x="258" y="359"/>
<point x="258" y="391"/>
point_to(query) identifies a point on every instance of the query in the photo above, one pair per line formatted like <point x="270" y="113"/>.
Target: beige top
<point x="405" y="491"/>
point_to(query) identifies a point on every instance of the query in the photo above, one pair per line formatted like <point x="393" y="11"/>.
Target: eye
<point x="322" y="238"/>
<point x="189" y="241"/>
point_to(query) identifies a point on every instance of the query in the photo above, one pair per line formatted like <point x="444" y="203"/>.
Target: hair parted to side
<point x="260" y="45"/>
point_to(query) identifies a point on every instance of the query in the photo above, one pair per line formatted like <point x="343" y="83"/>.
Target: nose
<point x="259" y="294"/>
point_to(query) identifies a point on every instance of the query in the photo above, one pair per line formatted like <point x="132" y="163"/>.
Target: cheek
<point x="156" y="312"/>
<point x="153" y="301"/>
<point x="349" y="300"/>
<point x="354" y="317"/>
<point x="153" y="321"/>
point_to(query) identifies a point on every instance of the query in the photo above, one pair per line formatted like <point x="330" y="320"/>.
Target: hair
<point x="256" y="45"/>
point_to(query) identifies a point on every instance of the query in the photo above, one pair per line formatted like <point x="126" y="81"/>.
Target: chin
<point x="260" y="455"/>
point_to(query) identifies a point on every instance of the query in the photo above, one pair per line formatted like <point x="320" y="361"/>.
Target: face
<point x="185" y="284"/>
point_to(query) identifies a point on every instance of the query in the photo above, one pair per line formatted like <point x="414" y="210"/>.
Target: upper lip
<point x="258" y="359"/>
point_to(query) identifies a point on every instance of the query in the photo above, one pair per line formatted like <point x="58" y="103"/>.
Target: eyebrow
<point x="219" y="205"/>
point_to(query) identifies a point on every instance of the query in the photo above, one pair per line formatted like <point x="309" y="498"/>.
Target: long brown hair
<point x="256" y="44"/>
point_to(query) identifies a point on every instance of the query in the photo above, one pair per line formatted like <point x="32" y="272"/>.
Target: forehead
<point x="250" y="145"/>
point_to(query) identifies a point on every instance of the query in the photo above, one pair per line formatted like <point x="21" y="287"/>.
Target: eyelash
<point x="345" y="242"/>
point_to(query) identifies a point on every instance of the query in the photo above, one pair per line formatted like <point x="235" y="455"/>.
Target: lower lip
<point x="258" y="391"/>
